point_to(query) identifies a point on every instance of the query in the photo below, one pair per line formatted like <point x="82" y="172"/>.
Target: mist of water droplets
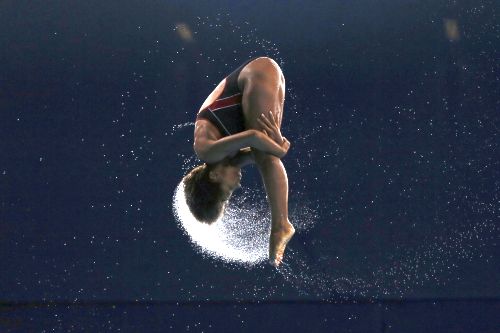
<point x="241" y="235"/>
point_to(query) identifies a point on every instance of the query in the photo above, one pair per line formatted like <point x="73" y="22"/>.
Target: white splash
<point x="240" y="236"/>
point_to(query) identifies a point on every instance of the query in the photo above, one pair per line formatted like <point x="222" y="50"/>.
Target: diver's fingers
<point x="277" y="119"/>
<point x="272" y="118"/>
<point x="265" y="123"/>
<point x="269" y="118"/>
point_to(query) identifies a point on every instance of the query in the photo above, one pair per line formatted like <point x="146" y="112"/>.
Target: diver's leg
<point x="263" y="90"/>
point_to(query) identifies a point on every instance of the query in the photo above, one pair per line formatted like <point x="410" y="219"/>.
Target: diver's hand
<point x="261" y="141"/>
<point x="284" y="148"/>
<point x="270" y="127"/>
<point x="285" y="145"/>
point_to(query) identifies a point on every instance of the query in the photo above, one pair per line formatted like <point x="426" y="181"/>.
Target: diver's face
<point x="229" y="176"/>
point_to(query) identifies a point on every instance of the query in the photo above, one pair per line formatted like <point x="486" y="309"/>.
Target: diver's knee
<point x="269" y="64"/>
<point x="264" y="71"/>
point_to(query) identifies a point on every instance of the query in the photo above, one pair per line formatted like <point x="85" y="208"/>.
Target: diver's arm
<point x="243" y="158"/>
<point x="212" y="151"/>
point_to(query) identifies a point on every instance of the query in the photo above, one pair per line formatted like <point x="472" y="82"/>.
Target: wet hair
<point x="204" y="197"/>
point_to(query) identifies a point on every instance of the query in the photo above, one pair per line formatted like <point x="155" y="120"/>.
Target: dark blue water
<point x="391" y="107"/>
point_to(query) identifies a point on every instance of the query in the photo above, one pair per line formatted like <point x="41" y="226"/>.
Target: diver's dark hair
<point x="204" y="197"/>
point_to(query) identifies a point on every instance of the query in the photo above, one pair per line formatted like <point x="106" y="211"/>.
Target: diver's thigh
<point x="261" y="94"/>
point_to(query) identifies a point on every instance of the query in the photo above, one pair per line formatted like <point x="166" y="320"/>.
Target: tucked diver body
<point x="237" y="125"/>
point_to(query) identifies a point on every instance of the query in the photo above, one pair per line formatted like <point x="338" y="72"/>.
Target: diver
<point x="237" y="125"/>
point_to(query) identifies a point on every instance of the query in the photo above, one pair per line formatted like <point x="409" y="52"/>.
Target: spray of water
<point x="241" y="235"/>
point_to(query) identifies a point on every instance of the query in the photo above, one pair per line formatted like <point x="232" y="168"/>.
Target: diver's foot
<point x="280" y="236"/>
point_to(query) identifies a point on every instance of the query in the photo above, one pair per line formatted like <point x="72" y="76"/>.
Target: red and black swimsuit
<point x="226" y="112"/>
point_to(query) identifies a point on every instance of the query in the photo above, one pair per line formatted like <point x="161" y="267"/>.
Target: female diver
<point x="239" y="124"/>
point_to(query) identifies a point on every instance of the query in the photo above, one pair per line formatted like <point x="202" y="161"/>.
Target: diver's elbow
<point x="203" y="152"/>
<point x="198" y="151"/>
